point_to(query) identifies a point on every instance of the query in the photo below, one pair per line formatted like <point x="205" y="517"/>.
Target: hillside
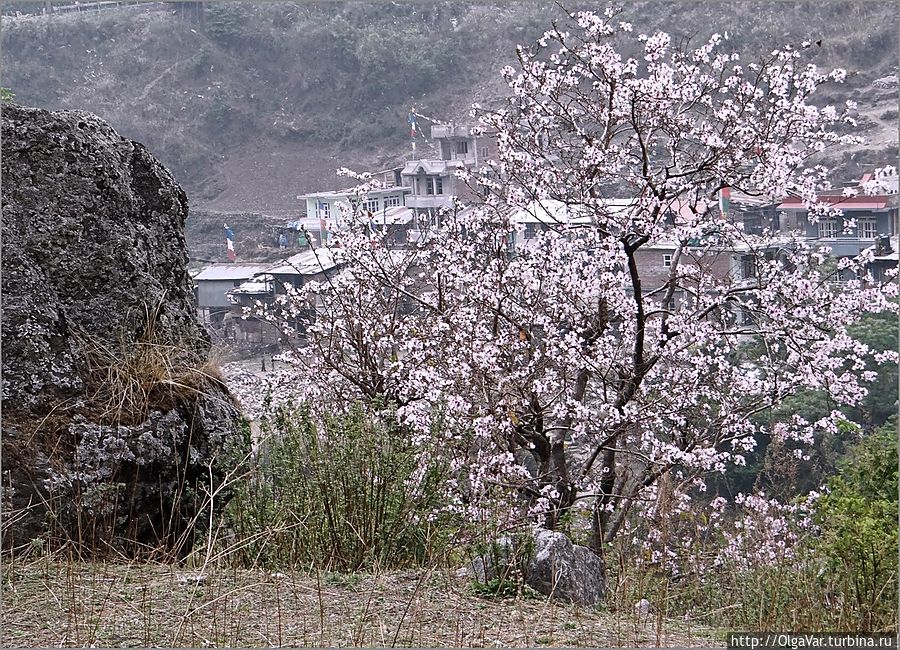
<point x="252" y="104"/>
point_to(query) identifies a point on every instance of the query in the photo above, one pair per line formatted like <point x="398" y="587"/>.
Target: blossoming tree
<point x="563" y="373"/>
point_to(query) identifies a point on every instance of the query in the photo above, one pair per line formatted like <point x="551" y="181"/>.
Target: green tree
<point x="879" y="332"/>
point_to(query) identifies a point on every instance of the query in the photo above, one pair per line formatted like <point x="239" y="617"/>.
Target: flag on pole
<point x="724" y="201"/>
<point x="229" y="242"/>
<point x="411" y="118"/>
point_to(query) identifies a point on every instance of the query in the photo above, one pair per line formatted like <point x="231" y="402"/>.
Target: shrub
<point x="501" y="565"/>
<point x="219" y="113"/>
<point x="858" y="521"/>
<point x="827" y="562"/>
<point x="345" y="494"/>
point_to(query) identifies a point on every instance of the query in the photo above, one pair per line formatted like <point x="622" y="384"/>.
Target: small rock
<point x="192" y="580"/>
<point x="498" y="562"/>
<point x="643" y="607"/>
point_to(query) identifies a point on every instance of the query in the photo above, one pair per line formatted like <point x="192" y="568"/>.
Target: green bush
<point x="858" y="522"/>
<point x="219" y="113"/>
<point x="841" y="575"/>
<point x="502" y="565"/>
<point x="343" y="495"/>
<point x="401" y="60"/>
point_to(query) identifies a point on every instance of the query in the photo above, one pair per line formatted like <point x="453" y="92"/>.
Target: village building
<point x="212" y="284"/>
<point x="330" y="208"/>
<point x="244" y="325"/>
<point x="433" y="183"/>
<point x="865" y="218"/>
<point x="885" y="257"/>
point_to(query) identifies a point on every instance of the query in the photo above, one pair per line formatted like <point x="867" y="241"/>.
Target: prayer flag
<point x="229" y="242"/>
<point x="724" y="201"/>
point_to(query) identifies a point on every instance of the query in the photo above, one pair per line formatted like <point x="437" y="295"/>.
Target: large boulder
<point x="565" y="571"/>
<point x="116" y="428"/>
<point x="548" y="562"/>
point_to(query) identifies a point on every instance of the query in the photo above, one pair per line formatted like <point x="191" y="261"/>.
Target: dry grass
<point x="51" y="603"/>
<point x="127" y="379"/>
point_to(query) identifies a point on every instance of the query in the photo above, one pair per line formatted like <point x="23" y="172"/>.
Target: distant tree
<point x="879" y="333"/>
<point x="6" y="95"/>
<point x="562" y="374"/>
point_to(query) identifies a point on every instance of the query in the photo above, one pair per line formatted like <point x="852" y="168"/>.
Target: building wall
<point x="211" y="293"/>
<point x="654" y="273"/>
<point x="797" y="219"/>
<point x="478" y="148"/>
<point x="334" y="211"/>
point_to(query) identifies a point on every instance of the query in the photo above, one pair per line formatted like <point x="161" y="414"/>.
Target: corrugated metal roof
<point x="310" y="223"/>
<point x="893" y="256"/>
<point x="393" y="216"/>
<point x="351" y="192"/>
<point x="306" y="263"/>
<point x="548" y="211"/>
<point x="229" y="272"/>
<point x="259" y="285"/>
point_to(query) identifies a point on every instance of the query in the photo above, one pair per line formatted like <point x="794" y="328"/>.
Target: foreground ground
<point x="49" y="603"/>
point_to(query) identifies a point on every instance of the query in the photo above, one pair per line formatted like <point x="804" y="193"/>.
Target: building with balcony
<point x="244" y="326"/>
<point x="865" y="218"/>
<point x="433" y="183"/>
<point x="461" y="144"/>
<point x="330" y="206"/>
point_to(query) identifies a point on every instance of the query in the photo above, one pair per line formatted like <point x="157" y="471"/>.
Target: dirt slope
<point x="251" y="104"/>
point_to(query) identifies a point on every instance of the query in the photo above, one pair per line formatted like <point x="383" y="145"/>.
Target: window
<point x="530" y="230"/>
<point x="748" y="267"/>
<point x="391" y="201"/>
<point x="867" y="228"/>
<point x="429" y="186"/>
<point x="434" y="185"/>
<point x="462" y="147"/>
<point x="325" y="210"/>
<point x="828" y="228"/>
<point x="667" y="260"/>
<point x="372" y="205"/>
<point x="485" y="152"/>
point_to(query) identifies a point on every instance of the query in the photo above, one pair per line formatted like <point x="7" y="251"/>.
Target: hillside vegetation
<point x="251" y="104"/>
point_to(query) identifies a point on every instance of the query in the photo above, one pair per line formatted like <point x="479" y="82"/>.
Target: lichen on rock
<point x="114" y="422"/>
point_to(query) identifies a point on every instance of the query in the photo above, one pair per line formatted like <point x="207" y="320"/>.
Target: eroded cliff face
<point x="114" y="423"/>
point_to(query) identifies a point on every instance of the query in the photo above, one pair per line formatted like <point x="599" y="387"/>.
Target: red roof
<point x="877" y="202"/>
